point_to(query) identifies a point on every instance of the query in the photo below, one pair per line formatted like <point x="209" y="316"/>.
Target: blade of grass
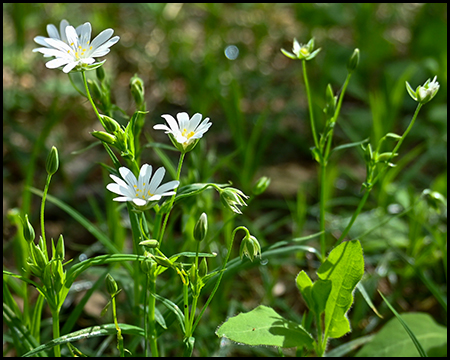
<point x="406" y="327"/>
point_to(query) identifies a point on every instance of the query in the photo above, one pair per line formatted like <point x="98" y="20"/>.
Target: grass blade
<point x="408" y="330"/>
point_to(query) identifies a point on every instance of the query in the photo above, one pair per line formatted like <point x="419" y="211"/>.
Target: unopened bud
<point x="110" y="124"/>
<point x="201" y="228"/>
<point x="261" y="185"/>
<point x="353" y="61"/>
<point x="52" y="163"/>
<point x="137" y="89"/>
<point x="60" y="251"/>
<point x="203" y="268"/>
<point x="28" y="231"/>
<point x="152" y="243"/>
<point x="100" y="72"/>
<point x="104" y="136"/>
<point x="111" y="285"/>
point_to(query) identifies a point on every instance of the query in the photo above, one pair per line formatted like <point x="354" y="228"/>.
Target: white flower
<point x="186" y="131"/>
<point x="141" y="191"/>
<point x="73" y="47"/>
<point x="425" y="92"/>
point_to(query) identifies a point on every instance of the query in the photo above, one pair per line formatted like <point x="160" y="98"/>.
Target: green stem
<point x="119" y="332"/>
<point x="187" y="320"/>
<point x="55" y="316"/>
<point x="90" y="98"/>
<point x="323" y="168"/>
<point x="220" y="275"/>
<point x="160" y="237"/>
<point x="355" y="215"/>
<point x="311" y="112"/>
<point x="151" y="314"/>
<point x="44" y="196"/>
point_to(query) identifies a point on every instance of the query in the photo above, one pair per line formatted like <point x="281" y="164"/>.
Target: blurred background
<point x="224" y="61"/>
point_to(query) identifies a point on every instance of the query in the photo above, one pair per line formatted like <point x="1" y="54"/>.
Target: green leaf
<point x="304" y="284"/>
<point x="392" y="340"/>
<point x="263" y="326"/>
<point x="344" y="267"/>
<point x="172" y="307"/>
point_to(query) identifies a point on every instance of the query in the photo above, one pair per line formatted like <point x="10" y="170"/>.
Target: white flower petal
<point x="128" y="176"/>
<point x="172" y="123"/>
<point x="183" y="120"/>
<point x="101" y="38"/>
<point x="156" y="180"/>
<point x="55" y="63"/>
<point x="167" y="186"/>
<point x="139" y="202"/>
<point x="195" y="120"/>
<point x="53" y="31"/>
<point x="122" y="198"/>
<point x="162" y="127"/>
<point x="70" y="66"/>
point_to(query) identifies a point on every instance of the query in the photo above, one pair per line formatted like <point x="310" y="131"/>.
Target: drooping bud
<point x="52" y="163"/>
<point x="201" y="228"/>
<point x="249" y="247"/>
<point x="231" y="198"/>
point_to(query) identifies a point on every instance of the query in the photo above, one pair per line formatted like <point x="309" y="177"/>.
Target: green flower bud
<point x="249" y="247"/>
<point x="60" y="251"/>
<point x="111" y="285"/>
<point x="52" y="163"/>
<point x="38" y="256"/>
<point x="100" y="72"/>
<point x="95" y="89"/>
<point x="203" y="268"/>
<point x="110" y="125"/>
<point x="137" y="89"/>
<point x="231" y="198"/>
<point x="103" y="136"/>
<point x="261" y="185"/>
<point x="193" y="274"/>
<point x="58" y="275"/>
<point x="302" y="52"/>
<point x="28" y="231"/>
<point x="424" y="93"/>
<point x="201" y="228"/>
<point x="353" y="61"/>
<point x="151" y="244"/>
<point x="162" y="261"/>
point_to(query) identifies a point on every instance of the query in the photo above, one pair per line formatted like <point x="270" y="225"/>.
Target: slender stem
<point x="151" y="315"/>
<point x="355" y="215"/>
<point x="187" y="322"/>
<point x="44" y="196"/>
<point x="119" y="332"/>
<point x="220" y="275"/>
<point x="90" y="98"/>
<point x="55" y="316"/>
<point x="323" y="169"/>
<point x="180" y="163"/>
<point x="311" y="112"/>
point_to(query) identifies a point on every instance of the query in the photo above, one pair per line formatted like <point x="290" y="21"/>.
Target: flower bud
<point x="203" y="268"/>
<point x="52" y="163"/>
<point x="110" y="124"/>
<point x="95" y="88"/>
<point x="249" y="247"/>
<point x="261" y="185"/>
<point x="193" y="274"/>
<point x="201" y="228"/>
<point x="103" y="136"/>
<point x="100" y="72"/>
<point x="151" y="244"/>
<point x="38" y="255"/>
<point x="28" y="231"/>
<point x="424" y="93"/>
<point x="111" y="285"/>
<point x="137" y="89"/>
<point x="353" y="61"/>
<point x="60" y="251"/>
<point x="232" y="198"/>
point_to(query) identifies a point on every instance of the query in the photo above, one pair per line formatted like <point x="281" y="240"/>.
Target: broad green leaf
<point x="320" y="292"/>
<point x="305" y="284"/>
<point x="393" y="340"/>
<point x="344" y="267"/>
<point x="263" y="326"/>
